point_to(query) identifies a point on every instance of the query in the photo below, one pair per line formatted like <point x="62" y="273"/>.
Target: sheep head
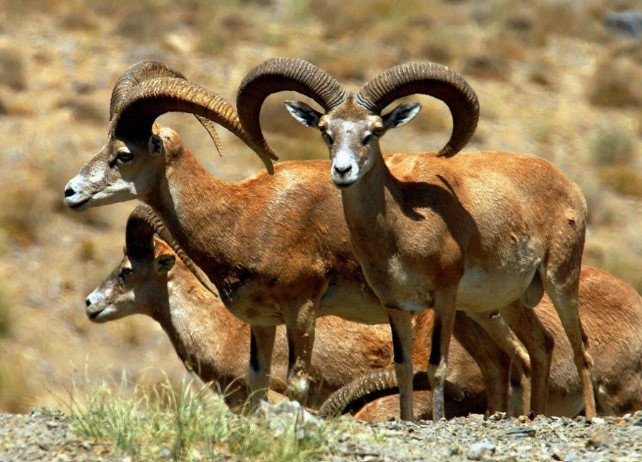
<point x="138" y="285"/>
<point x="136" y="150"/>
<point x="352" y="123"/>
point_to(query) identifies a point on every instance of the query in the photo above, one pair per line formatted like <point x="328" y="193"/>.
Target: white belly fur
<point x="481" y="290"/>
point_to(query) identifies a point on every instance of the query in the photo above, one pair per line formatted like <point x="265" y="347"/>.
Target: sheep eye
<point x="124" y="157"/>
<point x="327" y="138"/>
<point x="367" y="139"/>
<point x="124" y="272"/>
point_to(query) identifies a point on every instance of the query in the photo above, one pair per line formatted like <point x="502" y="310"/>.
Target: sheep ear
<point x="163" y="263"/>
<point x="401" y="115"/>
<point x="303" y="113"/>
<point x="156" y="146"/>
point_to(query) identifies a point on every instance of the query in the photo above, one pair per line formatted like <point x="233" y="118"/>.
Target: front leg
<point x="300" y="335"/>
<point x="261" y="346"/>
<point x="442" y="330"/>
<point x="401" y="328"/>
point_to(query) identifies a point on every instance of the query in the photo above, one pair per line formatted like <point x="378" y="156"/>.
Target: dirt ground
<point x="47" y="436"/>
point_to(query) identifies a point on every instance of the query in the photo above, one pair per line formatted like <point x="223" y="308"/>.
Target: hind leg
<point x="493" y="362"/>
<point x="498" y="329"/>
<point x="539" y="342"/>
<point x="565" y="300"/>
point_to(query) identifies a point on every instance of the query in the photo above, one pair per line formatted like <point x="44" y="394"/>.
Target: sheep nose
<point x="69" y="191"/>
<point x="342" y="169"/>
<point x="88" y="302"/>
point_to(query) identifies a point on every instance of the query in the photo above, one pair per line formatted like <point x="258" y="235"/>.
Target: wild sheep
<point x="483" y="232"/>
<point x="611" y="313"/>
<point x="152" y="280"/>
<point x="275" y="246"/>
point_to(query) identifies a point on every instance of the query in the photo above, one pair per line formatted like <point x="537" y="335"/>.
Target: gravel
<point x="48" y="436"/>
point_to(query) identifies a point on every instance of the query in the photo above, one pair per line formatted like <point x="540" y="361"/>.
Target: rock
<point x="628" y="23"/>
<point x="601" y="438"/>
<point x="481" y="450"/>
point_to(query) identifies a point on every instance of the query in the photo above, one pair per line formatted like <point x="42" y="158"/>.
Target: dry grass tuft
<point x="13" y="73"/>
<point x="613" y="146"/>
<point x="15" y="389"/>
<point x="6" y="316"/>
<point x="623" y="179"/>
<point x="615" y="83"/>
<point x="87" y="250"/>
<point x="345" y="65"/>
<point x="22" y="214"/>
<point x="86" y="108"/>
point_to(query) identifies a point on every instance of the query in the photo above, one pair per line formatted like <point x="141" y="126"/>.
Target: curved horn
<point x="139" y="237"/>
<point x="152" y="98"/>
<point x="431" y="79"/>
<point x="283" y="74"/>
<point x="359" y="392"/>
<point x="145" y="223"/>
<point x="146" y="70"/>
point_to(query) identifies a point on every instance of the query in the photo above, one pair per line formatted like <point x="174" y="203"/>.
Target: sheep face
<point x="138" y="285"/>
<point x="122" y="170"/>
<point x="352" y="134"/>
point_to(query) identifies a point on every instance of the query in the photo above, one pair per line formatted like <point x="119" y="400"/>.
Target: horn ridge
<point x="152" y="98"/>
<point x="147" y="70"/>
<point x="147" y="222"/>
<point x="283" y="74"/>
<point x="139" y="237"/>
<point x="431" y="79"/>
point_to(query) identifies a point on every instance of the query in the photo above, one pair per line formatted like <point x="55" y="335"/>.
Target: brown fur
<point x="215" y="344"/>
<point x="611" y="312"/>
<point x="482" y="232"/>
<point x="276" y="247"/>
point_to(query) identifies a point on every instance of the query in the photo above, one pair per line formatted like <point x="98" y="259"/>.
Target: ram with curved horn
<point x="146" y="70"/>
<point x="162" y="282"/>
<point x="284" y="260"/>
<point x="483" y="232"/>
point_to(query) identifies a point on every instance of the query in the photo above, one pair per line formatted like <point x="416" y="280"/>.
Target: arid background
<point x="551" y="77"/>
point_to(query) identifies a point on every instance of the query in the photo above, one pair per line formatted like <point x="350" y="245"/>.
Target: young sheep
<point x="484" y="232"/>
<point x="611" y="313"/>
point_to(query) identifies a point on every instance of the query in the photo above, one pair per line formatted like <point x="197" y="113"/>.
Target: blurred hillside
<point x="561" y="79"/>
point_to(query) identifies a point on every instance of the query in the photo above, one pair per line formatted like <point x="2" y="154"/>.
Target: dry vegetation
<point x="552" y="80"/>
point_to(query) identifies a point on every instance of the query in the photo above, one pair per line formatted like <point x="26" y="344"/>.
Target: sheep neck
<point x="204" y="215"/>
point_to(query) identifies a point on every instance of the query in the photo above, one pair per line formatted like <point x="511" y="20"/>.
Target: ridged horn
<point x="141" y="226"/>
<point x="359" y="392"/>
<point x="148" y="100"/>
<point x="146" y="70"/>
<point x="139" y="237"/>
<point x="283" y="74"/>
<point x="431" y="79"/>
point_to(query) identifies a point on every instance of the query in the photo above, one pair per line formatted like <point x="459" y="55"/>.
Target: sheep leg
<point x="539" y="342"/>
<point x="500" y="332"/>
<point x="261" y="346"/>
<point x="566" y="305"/>
<point x="300" y="335"/>
<point x="442" y="331"/>
<point x="493" y="362"/>
<point x="401" y="329"/>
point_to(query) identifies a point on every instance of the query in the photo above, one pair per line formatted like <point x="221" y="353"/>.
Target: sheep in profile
<point x="152" y="279"/>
